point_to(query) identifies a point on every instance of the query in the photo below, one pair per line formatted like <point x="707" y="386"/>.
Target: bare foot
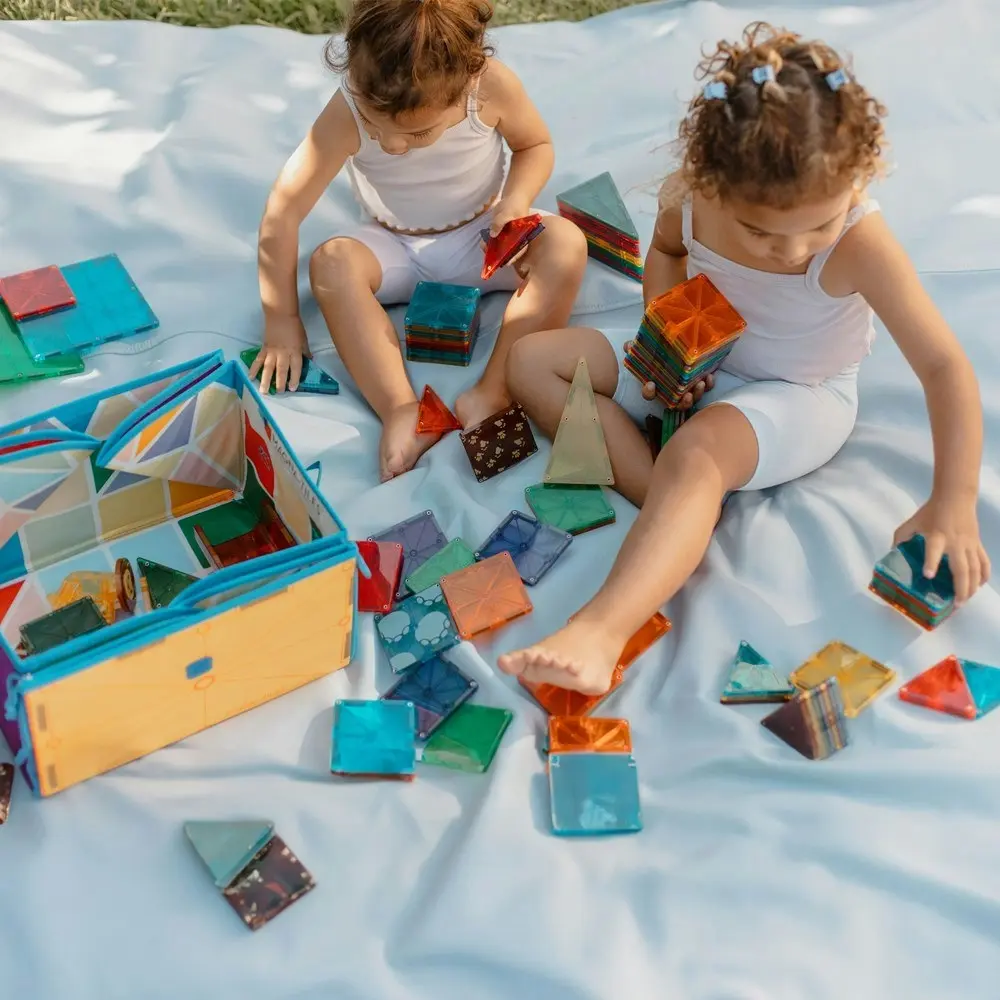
<point x="401" y="445"/>
<point x="582" y="656"/>
<point x="478" y="403"/>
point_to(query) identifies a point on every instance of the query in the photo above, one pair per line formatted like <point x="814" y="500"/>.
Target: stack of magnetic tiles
<point x="596" y="207"/>
<point x="685" y="335"/>
<point x="442" y="322"/>
<point x="899" y="580"/>
<point x="50" y="315"/>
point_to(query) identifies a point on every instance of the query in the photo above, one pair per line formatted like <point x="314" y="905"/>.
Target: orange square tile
<point x="485" y="595"/>
<point x="581" y="733"/>
<point x="696" y="317"/>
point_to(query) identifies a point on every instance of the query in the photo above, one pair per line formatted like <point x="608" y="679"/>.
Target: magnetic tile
<point x="861" y="678"/>
<point x="32" y="293"/>
<point x="267" y="536"/>
<point x="899" y="579"/>
<point x="433" y="417"/>
<point x="485" y="595"/>
<point x="436" y="688"/>
<point x="588" y="733"/>
<point x="956" y="686"/>
<point x="385" y="561"/>
<point x="274" y="881"/>
<point x="421" y="536"/>
<point x="17" y="365"/>
<point x="499" y="442"/>
<point x="672" y="419"/>
<point x="753" y="679"/>
<point x="6" y="790"/>
<point x="508" y="243"/>
<point x="468" y="739"/>
<point x="562" y="701"/>
<point x="532" y="545"/>
<point x="654" y="630"/>
<point x="579" y="453"/>
<point x="454" y="556"/>
<point x="161" y="584"/>
<point x="437" y="306"/>
<point x="228" y="846"/>
<point x="76" y="619"/>
<point x="374" y="739"/>
<point x="598" y="199"/>
<point x="812" y="722"/>
<point x="984" y="683"/>
<point x="312" y="378"/>
<point x="574" y="509"/>
<point x="417" y="629"/>
<point x="108" y="307"/>
<point x="594" y="793"/>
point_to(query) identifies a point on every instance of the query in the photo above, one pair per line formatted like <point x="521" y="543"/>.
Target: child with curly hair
<point x="421" y="122"/>
<point x="770" y="203"/>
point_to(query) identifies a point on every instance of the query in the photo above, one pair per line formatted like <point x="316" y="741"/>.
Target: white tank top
<point x="795" y="331"/>
<point x="436" y="187"/>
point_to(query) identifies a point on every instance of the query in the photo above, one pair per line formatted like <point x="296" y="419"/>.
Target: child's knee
<point x="338" y="263"/>
<point x="569" y="245"/>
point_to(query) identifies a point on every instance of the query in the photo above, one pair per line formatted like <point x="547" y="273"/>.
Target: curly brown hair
<point x="400" y="55"/>
<point x="785" y="139"/>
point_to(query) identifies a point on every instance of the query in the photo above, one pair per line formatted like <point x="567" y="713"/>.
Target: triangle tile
<point x="579" y="452"/>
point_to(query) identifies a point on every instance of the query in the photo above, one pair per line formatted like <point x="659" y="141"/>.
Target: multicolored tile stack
<point x="442" y="322"/>
<point x="899" y="580"/>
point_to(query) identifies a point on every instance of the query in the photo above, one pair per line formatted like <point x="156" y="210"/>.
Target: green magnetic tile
<point x="68" y="622"/>
<point x="570" y="508"/>
<point x="469" y="739"/>
<point x="672" y="419"/>
<point x="599" y="198"/>
<point x="161" y="584"/>
<point x="221" y="524"/>
<point x="454" y="556"/>
<point x="17" y="365"/>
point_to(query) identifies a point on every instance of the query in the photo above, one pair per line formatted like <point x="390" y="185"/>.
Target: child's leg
<point x="555" y="263"/>
<point x="346" y="275"/>
<point x="758" y="435"/>
<point x="540" y="369"/>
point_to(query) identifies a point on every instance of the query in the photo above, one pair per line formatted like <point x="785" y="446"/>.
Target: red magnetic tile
<point x="32" y="293"/>
<point x="385" y="560"/>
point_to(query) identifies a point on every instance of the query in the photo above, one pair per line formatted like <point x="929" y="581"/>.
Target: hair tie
<point x="836" y="79"/>
<point x="763" y="74"/>
<point x="715" y="91"/>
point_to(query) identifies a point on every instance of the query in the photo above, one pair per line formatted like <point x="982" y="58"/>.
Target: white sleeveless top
<point x="436" y="187"/>
<point x="795" y="331"/>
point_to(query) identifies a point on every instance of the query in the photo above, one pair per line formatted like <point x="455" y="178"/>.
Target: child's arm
<point x="507" y="105"/>
<point x="666" y="260"/>
<point x="307" y="174"/>
<point x="880" y="270"/>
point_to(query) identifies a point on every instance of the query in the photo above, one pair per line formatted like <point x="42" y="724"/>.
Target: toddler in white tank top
<point x="769" y="203"/>
<point x="421" y="125"/>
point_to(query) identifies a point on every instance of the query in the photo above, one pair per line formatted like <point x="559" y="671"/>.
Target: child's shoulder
<point x="498" y="88"/>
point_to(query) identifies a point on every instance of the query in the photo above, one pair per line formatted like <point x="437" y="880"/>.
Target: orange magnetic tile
<point x="696" y="316"/>
<point x="485" y="595"/>
<point x="657" y="627"/>
<point x="561" y="701"/>
<point x="433" y="416"/>
<point x="582" y="733"/>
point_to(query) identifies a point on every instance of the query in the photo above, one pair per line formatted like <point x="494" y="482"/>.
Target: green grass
<point x="311" y="16"/>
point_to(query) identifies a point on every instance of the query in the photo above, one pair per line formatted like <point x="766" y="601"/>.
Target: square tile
<point x="899" y="580"/>
<point x="79" y="618"/>
<point x="417" y="629"/>
<point x="274" y="881"/>
<point x="594" y="794"/>
<point x="588" y="733"/>
<point x="374" y="739"/>
<point x="436" y="306"/>
<point x="385" y="561"/>
<point x="436" y="688"/>
<point x="485" y="595"/>
<point x="860" y="677"/>
<point x="33" y="293"/>
<point x="532" y="545"/>
<point x="17" y="365"/>
<point x="499" y="442"/>
<point x="421" y="536"/>
<point x="454" y="556"/>
<point x="468" y="739"/>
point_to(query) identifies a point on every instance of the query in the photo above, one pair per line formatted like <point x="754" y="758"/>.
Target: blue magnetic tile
<point x="227" y="847"/>
<point x="417" y="629"/>
<point x="373" y="737"/>
<point x="421" y="537"/>
<point x="904" y="566"/>
<point x="594" y="793"/>
<point x="435" y="306"/>
<point x="436" y="688"/>
<point x="109" y="306"/>
<point x="984" y="685"/>
<point x="533" y="545"/>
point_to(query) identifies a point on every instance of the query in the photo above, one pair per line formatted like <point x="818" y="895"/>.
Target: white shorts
<point x="799" y="428"/>
<point x="452" y="258"/>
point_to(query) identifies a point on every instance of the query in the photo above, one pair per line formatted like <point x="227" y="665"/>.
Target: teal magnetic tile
<point x="753" y="679"/>
<point x="436" y="688"/>
<point x="904" y="567"/>
<point x="436" y="306"/>
<point x="599" y="198"/>
<point x="109" y="306"/>
<point x="984" y="685"/>
<point x="312" y="378"/>
<point x="374" y="738"/>
<point x="228" y="846"/>
<point x="417" y="629"/>
<point x="594" y="793"/>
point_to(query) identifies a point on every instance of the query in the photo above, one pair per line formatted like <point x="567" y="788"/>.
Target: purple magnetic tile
<point x="421" y="536"/>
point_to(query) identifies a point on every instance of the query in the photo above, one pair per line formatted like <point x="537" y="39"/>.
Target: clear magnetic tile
<point x="532" y="545"/>
<point x="268" y="886"/>
<point x="485" y="595"/>
<point x="468" y="739"/>
<point x="454" y="556"/>
<point x="812" y="722"/>
<point x="574" y="509"/>
<point x="421" y="536"/>
<point x="374" y="739"/>
<point x="436" y="688"/>
<point x="385" y="563"/>
<point x="753" y="679"/>
<point x="228" y="846"/>
<point x="588" y="733"/>
<point x="861" y="678"/>
<point x="417" y="629"/>
<point x="594" y="793"/>
<point x="435" y="306"/>
<point x="108" y="307"/>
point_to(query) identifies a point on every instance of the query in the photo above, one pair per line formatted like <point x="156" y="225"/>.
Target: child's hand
<point x="505" y="211"/>
<point x="285" y="343"/>
<point x="949" y="526"/>
<point x="689" y="398"/>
